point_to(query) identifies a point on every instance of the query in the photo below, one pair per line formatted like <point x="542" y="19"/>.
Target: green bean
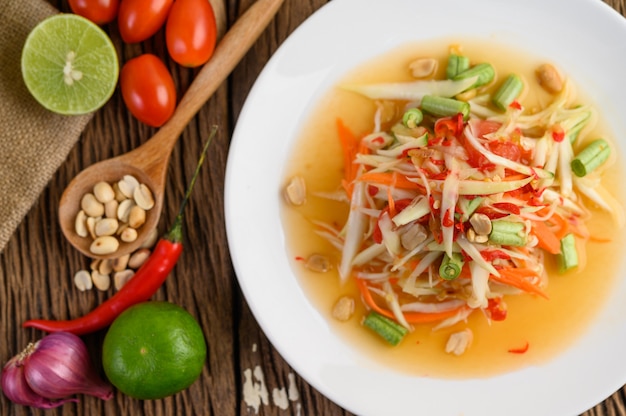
<point x="591" y="157"/>
<point x="456" y="65"/>
<point x="484" y="72"/>
<point x="412" y="118"/>
<point x="508" y="92"/>
<point x="451" y="266"/>
<point x="390" y="330"/>
<point x="445" y="107"/>
<point x="507" y="233"/>
<point x="568" y="257"/>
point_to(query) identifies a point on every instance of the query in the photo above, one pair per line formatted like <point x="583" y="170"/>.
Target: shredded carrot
<point x="411" y="317"/>
<point x="349" y="144"/>
<point x="391" y="202"/>
<point x="390" y="179"/>
<point x="517" y="278"/>
<point x="546" y="238"/>
<point x="515" y="177"/>
<point x="561" y="226"/>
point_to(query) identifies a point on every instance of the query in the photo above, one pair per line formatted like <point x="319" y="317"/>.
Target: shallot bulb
<point x="17" y="390"/>
<point x="50" y="370"/>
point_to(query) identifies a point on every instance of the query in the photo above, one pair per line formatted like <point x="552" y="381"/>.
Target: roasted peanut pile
<point x="113" y="212"/>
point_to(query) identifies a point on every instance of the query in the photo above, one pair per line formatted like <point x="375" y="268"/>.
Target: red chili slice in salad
<point x="507" y="206"/>
<point x="491" y="213"/>
<point x="496" y="309"/>
<point x="491" y="255"/>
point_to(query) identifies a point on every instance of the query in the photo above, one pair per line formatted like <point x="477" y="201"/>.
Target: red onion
<point x="17" y="390"/>
<point x="53" y="368"/>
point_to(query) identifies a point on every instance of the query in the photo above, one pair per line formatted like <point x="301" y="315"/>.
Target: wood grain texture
<point x="37" y="265"/>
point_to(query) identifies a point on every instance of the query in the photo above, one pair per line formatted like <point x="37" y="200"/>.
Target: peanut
<point x="127" y="185"/>
<point x="120" y="263"/>
<point x="101" y="281"/>
<point x="105" y="244"/>
<point x="103" y="192"/>
<point x="110" y="208"/>
<point x="80" y="224"/>
<point x="136" y="217"/>
<point x="143" y="197"/>
<point x="91" y="206"/>
<point x="121" y="278"/>
<point x="82" y="280"/>
<point x="123" y="210"/>
<point x="128" y="235"/>
<point x="106" y="226"/>
<point x="138" y="258"/>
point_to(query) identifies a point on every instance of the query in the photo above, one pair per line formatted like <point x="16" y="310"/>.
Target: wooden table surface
<point x="37" y="265"/>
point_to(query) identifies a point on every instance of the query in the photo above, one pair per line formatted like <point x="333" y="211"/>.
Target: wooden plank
<point x="37" y="265"/>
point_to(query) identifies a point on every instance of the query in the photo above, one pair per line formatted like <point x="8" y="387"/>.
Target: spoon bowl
<point x="149" y="162"/>
<point x="110" y="171"/>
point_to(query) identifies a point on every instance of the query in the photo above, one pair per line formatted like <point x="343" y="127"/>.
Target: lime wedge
<point x="69" y="64"/>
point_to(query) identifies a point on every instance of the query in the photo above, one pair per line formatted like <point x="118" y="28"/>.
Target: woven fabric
<point x="33" y="141"/>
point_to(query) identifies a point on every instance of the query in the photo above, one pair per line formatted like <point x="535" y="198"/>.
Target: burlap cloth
<point x="33" y="141"/>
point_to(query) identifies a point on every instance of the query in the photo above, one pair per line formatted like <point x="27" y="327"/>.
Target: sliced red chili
<point x="491" y="213"/>
<point x="520" y="350"/>
<point x="491" y="255"/>
<point x="507" y="206"/>
<point x="496" y="309"/>
<point x="448" y="220"/>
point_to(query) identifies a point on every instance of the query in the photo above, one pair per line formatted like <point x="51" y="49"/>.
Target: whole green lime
<point x="153" y="350"/>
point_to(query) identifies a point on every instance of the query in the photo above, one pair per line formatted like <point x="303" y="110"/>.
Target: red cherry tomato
<point x="191" y="32"/>
<point x="98" y="11"/>
<point x="148" y="89"/>
<point x="140" y="19"/>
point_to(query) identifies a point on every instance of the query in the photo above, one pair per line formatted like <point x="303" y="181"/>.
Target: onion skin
<point x="16" y="389"/>
<point x="59" y="366"/>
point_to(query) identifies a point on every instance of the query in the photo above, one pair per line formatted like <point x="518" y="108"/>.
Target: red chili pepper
<point x="144" y="284"/>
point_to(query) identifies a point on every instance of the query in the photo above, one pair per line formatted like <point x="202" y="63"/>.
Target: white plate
<point x="584" y="36"/>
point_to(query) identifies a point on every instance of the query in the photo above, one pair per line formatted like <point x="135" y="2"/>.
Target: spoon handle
<point x="233" y="46"/>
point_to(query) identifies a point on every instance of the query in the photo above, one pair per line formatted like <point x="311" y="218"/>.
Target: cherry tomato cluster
<point x="190" y="34"/>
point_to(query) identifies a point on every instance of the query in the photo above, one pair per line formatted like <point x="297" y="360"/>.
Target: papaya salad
<point x="457" y="201"/>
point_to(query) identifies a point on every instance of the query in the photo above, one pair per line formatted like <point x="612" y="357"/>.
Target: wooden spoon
<point x="149" y="162"/>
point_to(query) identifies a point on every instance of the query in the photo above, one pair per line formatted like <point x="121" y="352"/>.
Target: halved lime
<point x="69" y="64"/>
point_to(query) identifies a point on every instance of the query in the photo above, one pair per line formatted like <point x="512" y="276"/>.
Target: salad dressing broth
<point x="546" y="327"/>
